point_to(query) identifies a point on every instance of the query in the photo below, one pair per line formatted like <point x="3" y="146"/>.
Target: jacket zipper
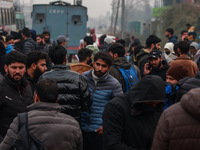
<point x="90" y="109"/>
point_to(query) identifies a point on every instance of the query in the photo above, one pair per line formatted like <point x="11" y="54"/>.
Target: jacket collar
<point x="104" y="79"/>
<point x="43" y="106"/>
<point x="61" y="67"/>
<point x="183" y="58"/>
<point x="13" y="84"/>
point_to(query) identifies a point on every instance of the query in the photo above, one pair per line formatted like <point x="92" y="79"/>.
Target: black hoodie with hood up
<point x="129" y="121"/>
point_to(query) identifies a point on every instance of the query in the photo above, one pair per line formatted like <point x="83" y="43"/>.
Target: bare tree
<point x="116" y="18"/>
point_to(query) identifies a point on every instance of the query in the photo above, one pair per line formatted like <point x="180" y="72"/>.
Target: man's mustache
<point x="17" y="74"/>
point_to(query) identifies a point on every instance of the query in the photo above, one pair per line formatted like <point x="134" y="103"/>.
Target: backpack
<point x="24" y="140"/>
<point x="128" y="77"/>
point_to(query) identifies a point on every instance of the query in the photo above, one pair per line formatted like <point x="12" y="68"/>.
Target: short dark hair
<point x="26" y="32"/>
<point x="46" y="32"/>
<point x="188" y="25"/>
<point x="84" y="53"/>
<point x="88" y="40"/>
<point x="117" y="48"/>
<point x="121" y="41"/>
<point x="184" y="47"/>
<point x="183" y="31"/>
<point x="40" y="35"/>
<point x="101" y="39"/>
<point x="152" y="39"/>
<point x="15" y="56"/>
<point x="47" y="90"/>
<point x="170" y="30"/>
<point x="105" y="56"/>
<point x="34" y="56"/>
<point x="57" y="54"/>
<point x="9" y="37"/>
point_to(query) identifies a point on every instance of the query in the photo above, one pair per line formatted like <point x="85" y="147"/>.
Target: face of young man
<point x="38" y="39"/>
<point x="155" y="62"/>
<point x="15" y="71"/>
<point x="47" y="37"/>
<point x="157" y="46"/>
<point x="167" y="34"/>
<point x="100" y="68"/>
<point x="40" y="68"/>
<point x="171" y="79"/>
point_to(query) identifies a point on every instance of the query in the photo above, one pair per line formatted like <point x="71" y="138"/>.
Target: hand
<point x="100" y="130"/>
<point x="147" y="70"/>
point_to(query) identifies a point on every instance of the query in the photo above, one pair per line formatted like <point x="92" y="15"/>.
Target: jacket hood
<point x="191" y="103"/>
<point x="142" y="53"/>
<point x="195" y="45"/>
<point x="122" y="62"/>
<point x="149" y="88"/>
<point x="44" y="106"/>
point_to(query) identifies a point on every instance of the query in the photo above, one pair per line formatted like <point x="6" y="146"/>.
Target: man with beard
<point x="152" y="42"/>
<point x="42" y="45"/>
<point x="36" y="66"/>
<point x="15" y="91"/>
<point x="156" y="65"/>
<point x="74" y="95"/>
<point x="85" y="61"/>
<point x="103" y="87"/>
<point x="169" y="33"/>
<point x="50" y="42"/>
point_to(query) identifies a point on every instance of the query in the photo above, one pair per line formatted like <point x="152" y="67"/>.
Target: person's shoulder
<point x="173" y="111"/>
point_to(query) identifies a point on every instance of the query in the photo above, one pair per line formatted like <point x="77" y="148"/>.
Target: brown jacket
<point x="45" y="122"/>
<point x="188" y="63"/>
<point x="179" y="125"/>
<point x="80" y="68"/>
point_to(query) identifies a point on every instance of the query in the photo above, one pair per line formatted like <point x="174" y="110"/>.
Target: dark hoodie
<point x="173" y="39"/>
<point x="121" y="62"/>
<point x="129" y="121"/>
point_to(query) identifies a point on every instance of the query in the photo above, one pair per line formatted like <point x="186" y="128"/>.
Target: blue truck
<point x="62" y="18"/>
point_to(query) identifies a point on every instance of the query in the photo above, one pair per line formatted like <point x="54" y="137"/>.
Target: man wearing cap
<point x="173" y="75"/>
<point x="152" y="42"/>
<point x="62" y="40"/>
<point x="156" y="65"/>
<point x="48" y="40"/>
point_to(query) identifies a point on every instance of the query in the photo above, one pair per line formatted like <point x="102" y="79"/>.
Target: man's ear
<point x="6" y="68"/>
<point x="36" y="98"/>
<point x="115" y="56"/>
<point x="33" y="66"/>
<point x="152" y="46"/>
<point x="179" y="51"/>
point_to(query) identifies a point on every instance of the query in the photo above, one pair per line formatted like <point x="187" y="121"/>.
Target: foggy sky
<point x="96" y="8"/>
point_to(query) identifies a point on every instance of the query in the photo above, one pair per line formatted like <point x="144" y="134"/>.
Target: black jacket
<point x="14" y="99"/>
<point x="129" y="123"/>
<point x="173" y="39"/>
<point x="74" y="95"/>
<point x="29" y="45"/>
<point x="32" y="82"/>
<point x="162" y="71"/>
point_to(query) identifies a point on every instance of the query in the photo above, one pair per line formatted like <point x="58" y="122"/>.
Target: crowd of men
<point x="113" y="99"/>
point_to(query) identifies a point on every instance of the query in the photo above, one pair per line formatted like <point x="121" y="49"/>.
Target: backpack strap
<point x="23" y="128"/>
